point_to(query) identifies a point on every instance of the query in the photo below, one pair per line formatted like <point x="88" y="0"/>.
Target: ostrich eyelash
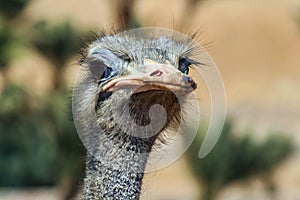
<point x="184" y="64"/>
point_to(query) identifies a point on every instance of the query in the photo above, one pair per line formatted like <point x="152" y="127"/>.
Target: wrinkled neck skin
<point x="115" y="168"/>
<point x="119" y="175"/>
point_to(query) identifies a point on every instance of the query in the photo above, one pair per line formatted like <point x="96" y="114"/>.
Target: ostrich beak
<point x="155" y="76"/>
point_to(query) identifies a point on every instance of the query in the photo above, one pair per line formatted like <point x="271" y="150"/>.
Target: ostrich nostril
<point x="189" y="80"/>
<point x="156" y="73"/>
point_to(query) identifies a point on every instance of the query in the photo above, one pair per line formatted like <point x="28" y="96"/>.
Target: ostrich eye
<point x="183" y="65"/>
<point x="106" y="73"/>
<point x="106" y="63"/>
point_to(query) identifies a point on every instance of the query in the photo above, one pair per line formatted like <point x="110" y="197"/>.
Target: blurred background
<point x="255" y="44"/>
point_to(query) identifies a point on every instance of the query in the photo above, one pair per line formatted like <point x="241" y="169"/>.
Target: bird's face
<point x="138" y="73"/>
<point x="151" y="75"/>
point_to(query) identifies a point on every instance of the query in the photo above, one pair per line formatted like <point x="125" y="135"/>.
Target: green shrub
<point x="234" y="158"/>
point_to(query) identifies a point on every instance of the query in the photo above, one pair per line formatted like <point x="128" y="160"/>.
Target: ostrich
<point x="134" y="72"/>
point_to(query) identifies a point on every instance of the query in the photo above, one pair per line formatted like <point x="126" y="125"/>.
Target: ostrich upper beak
<point x="155" y="76"/>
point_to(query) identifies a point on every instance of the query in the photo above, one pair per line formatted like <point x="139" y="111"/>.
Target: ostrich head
<point x="125" y="77"/>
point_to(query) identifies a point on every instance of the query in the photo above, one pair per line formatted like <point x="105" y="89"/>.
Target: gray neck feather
<point x="116" y="167"/>
<point x="119" y="179"/>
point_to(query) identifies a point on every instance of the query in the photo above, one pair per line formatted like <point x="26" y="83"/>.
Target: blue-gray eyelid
<point x="108" y="58"/>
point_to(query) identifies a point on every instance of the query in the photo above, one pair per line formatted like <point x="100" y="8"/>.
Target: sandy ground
<point x="256" y="46"/>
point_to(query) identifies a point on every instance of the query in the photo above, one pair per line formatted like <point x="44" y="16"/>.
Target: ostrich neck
<point x="119" y="169"/>
<point x="115" y="168"/>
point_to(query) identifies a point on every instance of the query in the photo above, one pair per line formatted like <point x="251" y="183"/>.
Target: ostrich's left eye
<point x="183" y="65"/>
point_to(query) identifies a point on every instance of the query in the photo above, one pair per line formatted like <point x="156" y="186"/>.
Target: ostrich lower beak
<point x="155" y="77"/>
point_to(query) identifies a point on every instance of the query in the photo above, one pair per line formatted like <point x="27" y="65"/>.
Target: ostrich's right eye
<point x="106" y="73"/>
